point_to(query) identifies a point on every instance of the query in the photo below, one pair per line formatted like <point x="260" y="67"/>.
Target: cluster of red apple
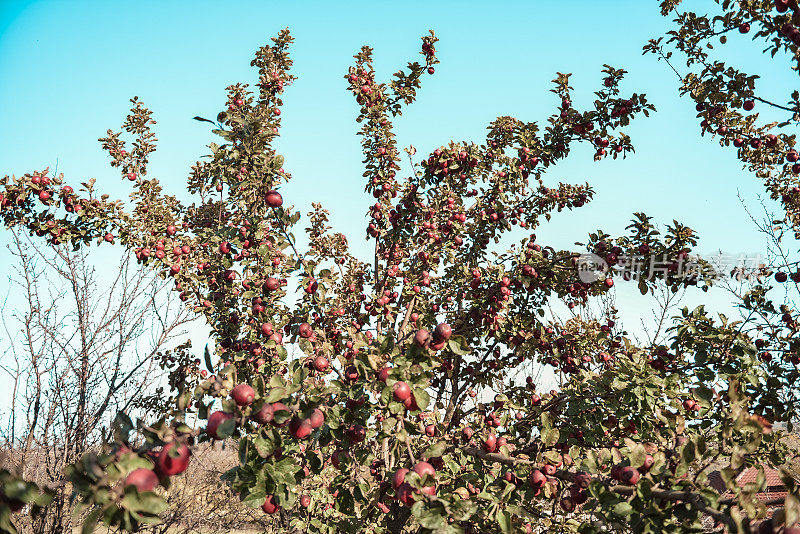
<point x="299" y="426"/>
<point x="403" y="490"/>
<point x="40" y="186"/>
<point x="172" y="459"/>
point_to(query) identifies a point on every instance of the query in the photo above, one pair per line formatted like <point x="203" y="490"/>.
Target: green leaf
<point x="435" y="450"/>
<point x="458" y="346"/>
<point x="387" y="344"/>
<point x="275" y="394"/>
<point x="429" y="518"/>
<point x="504" y="520"/>
<point x="638" y="455"/>
<point x="704" y="395"/>
<point x="256" y="498"/>
<point x="122" y="426"/>
<point x="90" y="522"/>
<point x="281" y="416"/>
<point x="623" y="508"/>
<point x="549" y="434"/>
<point x="643" y="285"/>
<point x="226" y="428"/>
<point x="6" y="525"/>
<point x="207" y="358"/>
<point x="422" y="398"/>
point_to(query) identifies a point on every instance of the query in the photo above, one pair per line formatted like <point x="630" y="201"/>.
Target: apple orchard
<point x="381" y="395"/>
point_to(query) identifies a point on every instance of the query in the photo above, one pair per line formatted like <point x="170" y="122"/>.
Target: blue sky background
<point x="68" y="70"/>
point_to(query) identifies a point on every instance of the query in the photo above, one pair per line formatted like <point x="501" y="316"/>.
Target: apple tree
<point x="394" y="393"/>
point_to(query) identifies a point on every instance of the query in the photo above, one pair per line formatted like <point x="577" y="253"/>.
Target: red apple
<point x="442" y="331"/>
<point x="167" y="465"/>
<point x="214" y="420"/>
<point x="272" y="283"/>
<point x="629" y="475"/>
<point x="317" y="418"/>
<point x="582" y="480"/>
<point x="264" y="414"/>
<point x="383" y="374"/>
<point x="321" y="364"/>
<point x="423" y="468"/>
<point x="243" y="394"/>
<point x="648" y="463"/>
<point x="490" y="443"/>
<point x="537" y="479"/>
<point x="143" y="479"/>
<point x="405" y="494"/>
<point x="305" y="330"/>
<point x="270" y="506"/>
<point x="356" y="433"/>
<point x="401" y="391"/>
<point x="273" y="199"/>
<point x="300" y="428"/>
<point x="421" y="337"/>
<point x="399" y="477"/>
<point x="567" y="504"/>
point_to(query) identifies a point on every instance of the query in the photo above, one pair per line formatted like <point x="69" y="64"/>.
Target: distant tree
<point x="78" y="352"/>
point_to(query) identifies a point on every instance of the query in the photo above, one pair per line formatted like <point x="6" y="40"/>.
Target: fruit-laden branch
<point x="668" y="495"/>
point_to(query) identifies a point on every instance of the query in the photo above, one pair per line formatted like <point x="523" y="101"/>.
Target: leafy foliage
<point x="355" y="408"/>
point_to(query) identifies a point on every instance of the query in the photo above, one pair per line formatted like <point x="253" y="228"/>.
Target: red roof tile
<point x="750" y="474"/>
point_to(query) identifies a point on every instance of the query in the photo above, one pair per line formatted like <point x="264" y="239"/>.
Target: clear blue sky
<point x="68" y="69"/>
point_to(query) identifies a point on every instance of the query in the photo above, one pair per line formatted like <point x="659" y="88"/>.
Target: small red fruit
<point x="443" y="331"/>
<point x="305" y="330"/>
<point x="356" y="433"/>
<point x="399" y="477"/>
<point x="270" y="506"/>
<point x="265" y="414"/>
<point x="272" y="283"/>
<point x="383" y="374"/>
<point x="300" y="428"/>
<point x="648" y="463"/>
<point x="490" y="443"/>
<point x="401" y="391"/>
<point x="317" y="418"/>
<point x="143" y="479"/>
<point x="537" y="479"/>
<point x="214" y="420"/>
<point x="273" y="199"/>
<point x="567" y="504"/>
<point x="405" y="494"/>
<point x="629" y="475"/>
<point x="243" y="394"/>
<point x="423" y="469"/>
<point x="167" y="465"/>
<point x="421" y="337"/>
<point x="321" y="364"/>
